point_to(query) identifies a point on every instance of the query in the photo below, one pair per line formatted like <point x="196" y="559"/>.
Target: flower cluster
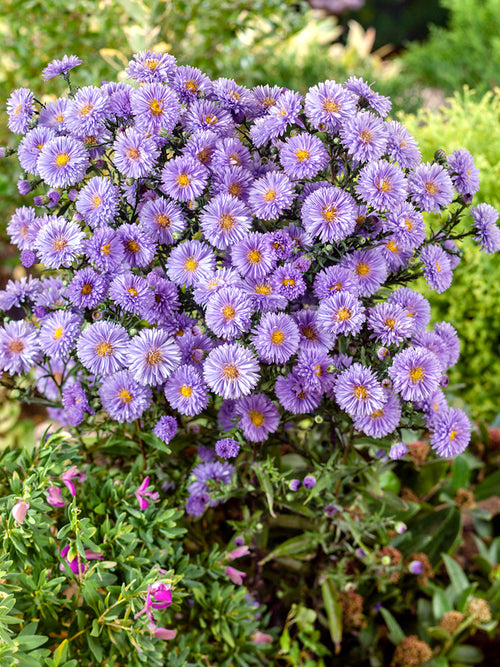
<point x="209" y="245"/>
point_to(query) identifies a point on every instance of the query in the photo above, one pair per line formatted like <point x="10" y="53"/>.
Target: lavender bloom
<point x="309" y="482"/>
<point x="416" y="306"/>
<point x="265" y="97"/>
<point x="382" y="185"/>
<point x="365" y="137"/>
<point x="263" y="295"/>
<point x="436" y="268"/>
<point x="358" y="391"/>
<point x="381" y="422"/>
<point x="311" y="333"/>
<point x="232" y="97"/>
<point x="132" y="293"/>
<point x="450" y="432"/>
<point x="431" y="341"/>
<point x="98" y="202"/>
<point x="31" y="146"/>
<point x="341" y="313"/>
<point x="20" y="291"/>
<point x="430" y="187"/>
<point x="231" y="371"/>
<point x="312" y="369"/>
<point x="103" y="348"/>
<point x="59" y="242"/>
<point x="235" y="181"/>
<point x="208" y="115"/>
<point x="335" y="279"/>
<point x="53" y="115"/>
<point x="229" y="153"/>
<point x="166" y="428"/>
<point x="152" y="356"/>
<point x="398" y="451"/>
<point x="329" y="213"/>
<point x="407" y="225"/>
<point x="155" y="108"/>
<point x="288" y="281"/>
<point x="401" y="146"/>
<point x="451" y="343"/>
<point x="276" y="338"/>
<point x="19" y="347"/>
<point x="20" y="109"/>
<point x="484" y="219"/>
<point x="228" y="313"/>
<point x="134" y="154"/>
<point x="201" y="146"/>
<point x="278" y="119"/>
<point x="293" y="395"/>
<point x="270" y="195"/>
<point x="328" y="105"/>
<point x="63" y="161"/>
<point x="19" y="225"/>
<point x="368" y="97"/>
<point x="105" y="249"/>
<point x="281" y="244"/>
<point x="389" y="323"/>
<point x="123" y="398"/>
<point x="258" y="417"/>
<point x="75" y="403"/>
<point x="87" y="289"/>
<point x="213" y="282"/>
<point x="464" y="173"/>
<point x="225" y="221"/>
<point x="163" y="304"/>
<point x="369" y="267"/>
<point x="295" y="484"/>
<point x="183" y="178"/>
<point x="433" y="406"/>
<point x="188" y="82"/>
<point x="252" y="256"/>
<point x="186" y="391"/>
<point x="190" y="262"/>
<point x="226" y="415"/>
<point x="415" y="373"/>
<point x="162" y="218"/>
<point x="60" y="67"/>
<point x="58" y="333"/>
<point x="139" y="248"/>
<point x="86" y="111"/>
<point x="227" y="448"/>
<point x="148" y="66"/>
<point x="303" y="156"/>
<point x="28" y="258"/>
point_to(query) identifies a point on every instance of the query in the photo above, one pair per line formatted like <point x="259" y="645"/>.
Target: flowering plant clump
<point x="222" y="262"/>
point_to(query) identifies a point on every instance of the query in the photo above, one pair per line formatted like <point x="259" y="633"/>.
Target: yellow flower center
<point x="309" y="333"/>
<point x="277" y="337"/>
<point x="318" y="371"/>
<point x="87" y="288"/>
<point x="230" y="372"/>
<point x="156" y="107"/>
<point x="377" y="414"/>
<point x="104" y="349"/>
<point x="16" y="346"/>
<point x="288" y="282"/>
<point x="204" y="154"/>
<point x="105" y="248"/>
<point x="360" y="392"/>
<point x="96" y="201"/>
<point x="270" y="195"/>
<point x="362" y="269"/>
<point x="183" y="180"/>
<point x="62" y="159"/>
<point x="366" y="136"/>
<point x="154" y="357"/>
<point x="58" y="333"/>
<point x="453" y="435"/>
<point x="211" y="119"/>
<point x="134" y="153"/>
<point x="152" y="63"/>
<point x="162" y="220"/>
<point x="343" y="314"/>
<point x="234" y="160"/>
<point x="257" y="418"/>
<point x="384" y="185"/>
<point x="132" y="246"/>
<point x="234" y="189"/>
<point x="226" y="222"/>
<point x="417" y="374"/>
<point x="254" y="256"/>
<point x="330" y="106"/>
<point x="268" y="102"/>
<point x="191" y="86"/>
<point x="86" y="109"/>
<point x="132" y="291"/>
<point x="408" y="223"/>
<point x="263" y="289"/>
<point x="191" y="264"/>
<point x="125" y="396"/>
<point x="392" y="246"/>
<point x="185" y="391"/>
<point x="390" y="322"/>
<point x="59" y="118"/>
<point x="228" y="312"/>
<point x="302" y="154"/>
<point x="431" y="188"/>
<point x="329" y="213"/>
<point x="59" y="244"/>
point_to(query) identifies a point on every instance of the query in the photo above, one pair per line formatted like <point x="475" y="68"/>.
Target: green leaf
<point x="285" y="641"/>
<point x="460" y="474"/>
<point x="333" y="611"/>
<point x="61" y="652"/>
<point x="302" y="544"/>
<point x="396" y="634"/>
<point x="96" y="648"/>
<point x="457" y="576"/>
<point x="488" y="487"/>
<point x="467" y="654"/>
<point x="441" y="604"/>
<point x="266" y="485"/>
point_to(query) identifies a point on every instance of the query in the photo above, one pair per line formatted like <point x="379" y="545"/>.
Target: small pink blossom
<point x="73" y="474"/>
<point x="238" y="552"/>
<point x="162" y="633"/>
<point x="142" y="493"/>
<point x="19" y="511"/>
<point x="262" y="638"/>
<point x="159" y="596"/>
<point x="73" y="562"/>
<point x="54" y="497"/>
<point x="235" y="575"/>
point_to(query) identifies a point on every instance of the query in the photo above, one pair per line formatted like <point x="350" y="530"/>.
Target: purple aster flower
<point x="265" y="97"/>
<point x="103" y="348"/>
<point x="231" y="371"/>
<point x="382" y="185"/>
<point x="335" y="279"/>
<point x="166" y="428"/>
<point x="311" y="333"/>
<point x="164" y="303"/>
<point x="381" y="422"/>
<point x="341" y="313"/>
<point x="416" y="567"/>
<point x="131" y="292"/>
<point x="123" y="398"/>
<point x="365" y="137"/>
<point x="20" y="225"/>
<point x="415" y="373"/>
<point x="105" y="249"/>
<point x="398" y="451"/>
<point x="233" y="97"/>
<point x="417" y="307"/>
<point x="328" y="105"/>
<point x="228" y="313"/>
<point x="58" y="333"/>
<point x="281" y="244"/>
<point x="451" y="342"/>
<point x="28" y="258"/>
<point x="258" y="417"/>
<point x="201" y="146"/>
<point x="227" y="448"/>
<point x="226" y="415"/>
<point x="450" y="432"/>
<point x="75" y="403"/>
<point x="312" y="369"/>
<point x="139" y="248"/>
<point x="401" y="146"/>
<point x="434" y="406"/>
<point x="430" y="187"/>
<point x="225" y="221"/>
<point x="368" y="97"/>
<point x="230" y="152"/>
<point x="358" y="391"/>
<point x="270" y="195"/>
<point x="208" y="115"/>
<point x="206" y="454"/>
<point x="197" y="503"/>
<point x="193" y="348"/>
<point x="59" y="242"/>
<point x="60" y="67"/>
<point x="31" y="146"/>
<point x="148" y="66"/>
<point x="134" y="154"/>
<point x="155" y="108"/>
<point x="295" y="485"/>
<point x="288" y="281"/>
<point x="464" y="173"/>
<point x="98" y="202"/>
<point x="309" y="482"/>
<point x="235" y="181"/>
<point x="20" y="291"/>
<point x="293" y="395"/>
<point x="87" y="289"/>
<point x="431" y="341"/>
<point x="276" y="338"/>
<point x="252" y="256"/>
<point x="20" y="109"/>
<point x="190" y="262"/>
<point x="180" y="324"/>
<point x="183" y="178"/>
<point x="303" y="156"/>
<point x="186" y="391"/>
<point x="152" y="356"/>
<point x="407" y="225"/>
<point x="389" y="323"/>
<point x="63" y="161"/>
<point x="19" y="347"/>
<point x="213" y="282"/>
<point x="484" y="220"/>
<point x="263" y="295"/>
<point x="86" y="111"/>
<point x="278" y="118"/>
<point x="23" y="187"/>
<point x="329" y="213"/>
<point x="369" y="267"/>
<point x="436" y="267"/>
<point x="162" y="218"/>
<point x="188" y="82"/>
<point x="53" y="115"/>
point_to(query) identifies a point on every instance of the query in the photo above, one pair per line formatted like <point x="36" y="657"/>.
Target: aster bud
<point x="440" y="157"/>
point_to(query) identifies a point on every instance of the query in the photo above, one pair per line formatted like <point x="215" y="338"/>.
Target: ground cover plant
<point x="220" y="311"/>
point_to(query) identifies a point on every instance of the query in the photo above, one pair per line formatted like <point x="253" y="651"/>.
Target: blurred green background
<point x="438" y="61"/>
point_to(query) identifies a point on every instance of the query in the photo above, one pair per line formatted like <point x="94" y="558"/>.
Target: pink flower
<point x="71" y="474"/>
<point x="73" y="562"/>
<point x="54" y="497"/>
<point x="157" y="597"/>
<point x="142" y="493"/>
<point x="161" y="633"/>
<point x="262" y="638"/>
<point x="19" y="511"/>
<point x="238" y="552"/>
<point x="235" y="575"/>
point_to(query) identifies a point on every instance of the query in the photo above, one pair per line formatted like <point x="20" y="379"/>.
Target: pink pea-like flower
<point x="73" y="474"/>
<point x="54" y="497"/>
<point x="142" y="493"/>
<point x="19" y="511"/>
<point x="235" y="575"/>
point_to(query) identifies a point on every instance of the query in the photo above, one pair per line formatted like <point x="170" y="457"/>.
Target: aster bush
<point x="220" y="309"/>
